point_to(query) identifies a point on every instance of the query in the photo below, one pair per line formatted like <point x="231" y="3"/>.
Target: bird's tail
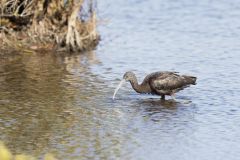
<point x="190" y="79"/>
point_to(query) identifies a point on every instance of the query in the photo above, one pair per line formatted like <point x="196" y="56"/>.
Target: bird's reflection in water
<point x="154" y="106"/>
<point x="157" y="109"/>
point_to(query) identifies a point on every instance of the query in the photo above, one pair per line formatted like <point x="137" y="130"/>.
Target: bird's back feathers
<point x="169" y="82"/>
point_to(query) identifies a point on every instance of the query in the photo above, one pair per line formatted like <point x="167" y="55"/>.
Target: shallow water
<point x="63" y="105"/>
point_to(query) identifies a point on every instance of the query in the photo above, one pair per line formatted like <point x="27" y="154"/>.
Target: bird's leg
<point x="162" y="97"/>
<point x="173" y="96"/>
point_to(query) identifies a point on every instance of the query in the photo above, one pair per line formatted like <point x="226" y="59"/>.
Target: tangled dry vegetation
<point x="59" y="25"/>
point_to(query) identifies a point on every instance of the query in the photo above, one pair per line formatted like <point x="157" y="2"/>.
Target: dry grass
<point x="44" y="24"/>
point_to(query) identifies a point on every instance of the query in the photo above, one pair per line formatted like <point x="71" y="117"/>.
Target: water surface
<point x="63" y="105"/>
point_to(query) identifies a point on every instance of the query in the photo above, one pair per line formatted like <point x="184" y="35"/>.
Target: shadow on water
<point x="37" y="98"/>
<point x="57" y="104"/>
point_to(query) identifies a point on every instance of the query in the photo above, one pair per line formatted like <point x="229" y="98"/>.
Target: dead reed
<point x="59" y="25"/>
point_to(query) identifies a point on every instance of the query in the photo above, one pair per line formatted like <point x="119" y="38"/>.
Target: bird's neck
<point x="140" y="88"/>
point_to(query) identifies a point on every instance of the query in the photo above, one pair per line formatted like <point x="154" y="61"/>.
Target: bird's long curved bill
<point x="118" y="87"/>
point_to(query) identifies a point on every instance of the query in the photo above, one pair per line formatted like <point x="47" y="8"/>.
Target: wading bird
<point x="158" y="83"/>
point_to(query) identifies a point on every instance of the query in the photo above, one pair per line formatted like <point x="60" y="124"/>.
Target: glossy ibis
<point x="158" y="83"/>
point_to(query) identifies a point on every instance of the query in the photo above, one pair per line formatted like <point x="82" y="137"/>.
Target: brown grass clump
<point x="48" y="24"/>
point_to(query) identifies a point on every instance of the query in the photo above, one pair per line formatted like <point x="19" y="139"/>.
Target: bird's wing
<point x="154" y="75"/>
<point x="167" y="81"/>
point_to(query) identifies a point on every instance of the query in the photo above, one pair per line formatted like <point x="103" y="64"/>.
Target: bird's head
<point x="128" y="76"/>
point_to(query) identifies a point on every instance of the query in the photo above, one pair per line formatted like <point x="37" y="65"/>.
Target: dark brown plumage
<point x="160" y="83"/>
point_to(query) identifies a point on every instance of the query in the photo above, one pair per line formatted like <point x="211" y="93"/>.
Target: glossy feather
<point x="168" y="83"/>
